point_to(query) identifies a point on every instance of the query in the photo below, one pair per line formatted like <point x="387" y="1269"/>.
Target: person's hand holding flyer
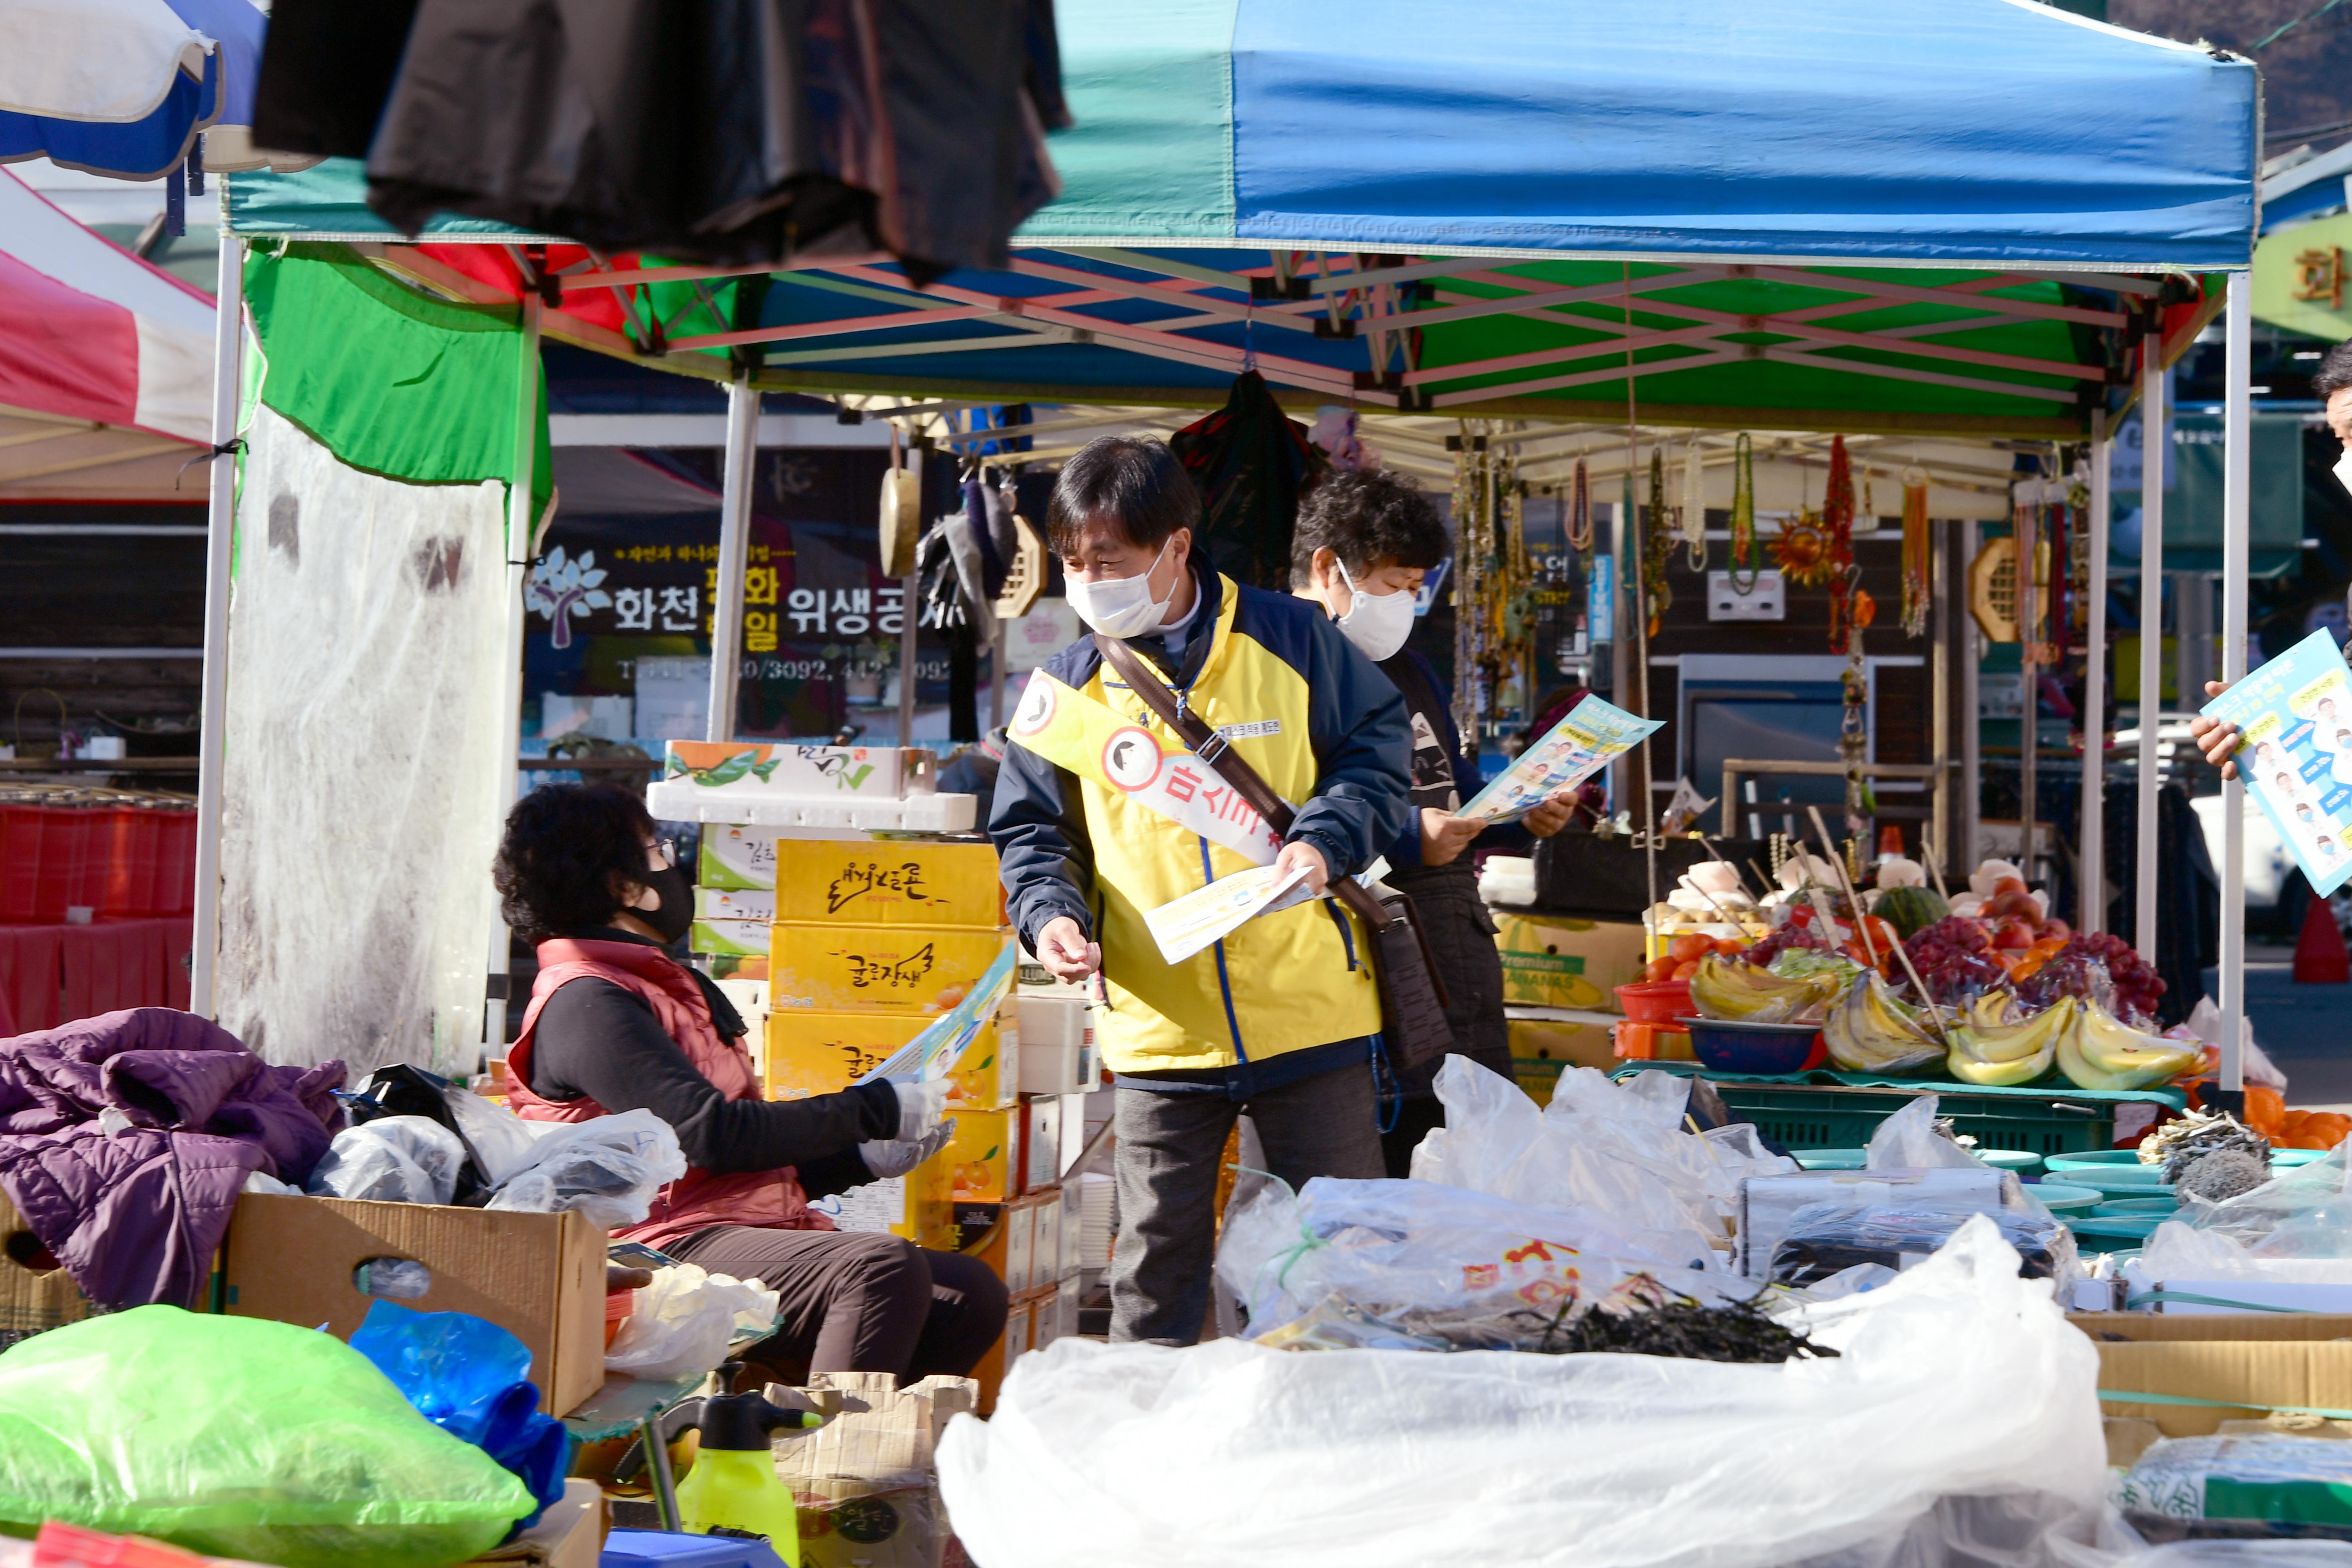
<point x="1594" y="734"/>
<point x="2294" y="718"/>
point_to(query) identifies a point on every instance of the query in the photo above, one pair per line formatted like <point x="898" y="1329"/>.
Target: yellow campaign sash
<point x="1073" y="731"/>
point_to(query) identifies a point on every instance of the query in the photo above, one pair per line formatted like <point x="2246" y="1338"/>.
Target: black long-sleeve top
<point x="600" y="1041"/>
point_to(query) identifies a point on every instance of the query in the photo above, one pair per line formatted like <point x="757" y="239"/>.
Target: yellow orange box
<point x="875" y="969"/>
<point x="824" y="1053"/>
<point x="981" y="1158"/>
<point x="1546" y="1040"/>
<point x="885" y="882"/>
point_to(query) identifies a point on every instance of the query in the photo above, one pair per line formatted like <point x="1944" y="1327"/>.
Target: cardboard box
<point x="902" y="882"/>
<point x="2281" y="1359"/>
<point x="1057" y="1046"/>
<point x="737" y="857"/>
<point x="824" y="1053"/>
<point x="734" y="904"/>
<point x="916" y="1206"/>
<point x="1041" y="1142"/>
<point x="1045" y="1317"/>
<point x="982" y="1158"/>
<point x="32" y="1298"/>
<point x="541" y="1277"/>
<point x="865" y="1480"/>
<point x="729" y="939"/>
<point x="1551" y="962"/>
<point x="1576" y="1045"/>
<point x="864" y="969"/>
<point x="1045" y="1252"/>
<point x="1020" y="1245"/>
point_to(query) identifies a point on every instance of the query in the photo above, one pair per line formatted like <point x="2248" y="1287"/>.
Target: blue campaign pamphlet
<point x="2295" y="714"/>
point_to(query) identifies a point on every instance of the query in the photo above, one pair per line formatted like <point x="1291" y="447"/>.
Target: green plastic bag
<point x="238" y="1437"/>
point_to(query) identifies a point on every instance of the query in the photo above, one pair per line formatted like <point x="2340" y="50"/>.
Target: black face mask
<point x="671" y="918"/>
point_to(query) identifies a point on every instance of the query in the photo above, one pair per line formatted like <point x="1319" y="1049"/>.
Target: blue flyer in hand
<point x="2295" y="714"/>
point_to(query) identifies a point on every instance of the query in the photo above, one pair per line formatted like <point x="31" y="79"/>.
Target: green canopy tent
<point x="1993" y="224"/>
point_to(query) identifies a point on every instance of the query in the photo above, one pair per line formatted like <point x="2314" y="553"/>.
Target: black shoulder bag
<point x="1412" y="998"/>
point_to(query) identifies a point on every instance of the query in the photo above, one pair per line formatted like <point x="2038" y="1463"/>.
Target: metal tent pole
<point x="2152" y="455"/>
<point x="1960" y="856"/>
<point x="2090" y="900"/>
<point x="2236" y="507"/>
<point x="1939" y="634"/>
<point x="521" y="522"/>
<point x="734" y="556"/>
<point x="228" y="347"/>
<point x="908" y="592"/>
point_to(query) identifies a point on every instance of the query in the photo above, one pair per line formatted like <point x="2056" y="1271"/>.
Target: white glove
<point x="919" y="1105"/>
<point x="896" y="1156"/>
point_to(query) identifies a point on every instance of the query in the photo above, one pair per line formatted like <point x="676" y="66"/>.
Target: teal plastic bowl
<point x="2060" y="1197"/>
<point x="2023" y="1162"/>
<point x="2122" y="1208"/>
<point x="2117" y="1233"/>
<point x="1830" y="1159"/>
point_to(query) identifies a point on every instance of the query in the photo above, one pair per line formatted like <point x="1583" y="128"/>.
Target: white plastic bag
<point x="608" y="1170"/>
<point x="682" y="1323"/>
<point x="1436" y="1267"/>
<point x="1956" y="1380"/>
<point x="501" y="1142"/>
<point x="393" y="1159"/>
<point x="1908" y="1141"/>
<point x="1615" y="1150"/>
<point x="2296" y="1227"/>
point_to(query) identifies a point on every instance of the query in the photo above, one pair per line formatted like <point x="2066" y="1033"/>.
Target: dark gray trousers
<point x="1169" y="1147"/>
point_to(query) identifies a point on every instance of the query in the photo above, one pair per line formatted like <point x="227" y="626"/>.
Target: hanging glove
<point x="920" y="1101"/>
<point x="896" y="1156"/>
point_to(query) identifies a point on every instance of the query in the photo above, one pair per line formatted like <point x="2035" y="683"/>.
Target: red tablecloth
<point x="52" y="974"/>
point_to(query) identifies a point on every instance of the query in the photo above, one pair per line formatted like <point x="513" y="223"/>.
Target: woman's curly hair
<point x="564" y="846"/>
<point x="1367" y="517"/>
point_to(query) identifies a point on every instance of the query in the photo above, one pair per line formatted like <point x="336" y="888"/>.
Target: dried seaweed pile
<point x="1678" y="1326"/>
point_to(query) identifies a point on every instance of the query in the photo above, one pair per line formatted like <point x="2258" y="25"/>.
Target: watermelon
<point x="1910" y="909"/>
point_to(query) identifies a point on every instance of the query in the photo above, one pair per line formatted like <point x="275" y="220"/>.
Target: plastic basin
<point x="1728" y="1047"/>
<point x="2063" y="1198"/>
<point x="1830" y="1159"/>
<point x="1655" y="1000"/>
<point x="2124" y="1208"/>
<point x="2112" y="1233"/>
<point x="2023" y="1162"/>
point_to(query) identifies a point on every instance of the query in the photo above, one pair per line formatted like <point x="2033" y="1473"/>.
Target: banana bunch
<point x="1729" y="989"/>
<point x="1993" y="1053"/>
<point x="1870" y="1031"/>
<point x="2102" y="1051"/>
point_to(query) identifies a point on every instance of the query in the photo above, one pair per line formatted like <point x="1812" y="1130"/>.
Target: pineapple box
<point x="870" y="969"/>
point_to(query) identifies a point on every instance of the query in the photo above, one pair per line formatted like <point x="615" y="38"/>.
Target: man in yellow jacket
<point x="1102" y="815"/>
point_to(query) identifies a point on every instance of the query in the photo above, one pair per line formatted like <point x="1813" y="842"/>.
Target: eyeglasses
<point x="668" y="849"/>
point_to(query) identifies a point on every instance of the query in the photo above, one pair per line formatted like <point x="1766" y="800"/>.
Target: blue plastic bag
<point x="471" y="1378"/>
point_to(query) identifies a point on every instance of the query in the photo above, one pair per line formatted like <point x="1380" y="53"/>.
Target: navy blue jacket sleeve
<point x="1363" y="749"/>
<point x="1043" y="853"/>
<point x="1404" y="855"/>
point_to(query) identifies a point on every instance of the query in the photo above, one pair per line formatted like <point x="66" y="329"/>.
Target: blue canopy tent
<point x="1977" y="218"/>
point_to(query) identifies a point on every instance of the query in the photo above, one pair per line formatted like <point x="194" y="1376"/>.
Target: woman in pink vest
<point x="617" y="1024"/>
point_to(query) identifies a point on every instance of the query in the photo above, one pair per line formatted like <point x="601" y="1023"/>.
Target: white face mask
<point x="2344" y="469"/>
<point x="1377" y="624"/>
<point x="1123" y="606"/>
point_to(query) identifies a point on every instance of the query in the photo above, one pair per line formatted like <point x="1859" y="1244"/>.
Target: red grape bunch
<point x="2087" y="966"/>
<point x="1795" y="933"/>
<point x="1953" y="958"/>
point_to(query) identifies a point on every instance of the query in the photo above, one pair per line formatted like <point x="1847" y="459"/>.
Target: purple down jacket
<point x="125" y="1140"/>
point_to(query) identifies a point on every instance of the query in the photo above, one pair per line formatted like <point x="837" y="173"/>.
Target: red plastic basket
<point x="1655" y="1001"/>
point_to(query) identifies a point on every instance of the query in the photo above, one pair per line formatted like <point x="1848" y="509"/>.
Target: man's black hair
<point x="2334" y="371"/>
<point x="564" y="846"/>
<point x="1368" y="517"/>
<point x="1130" y="481"/>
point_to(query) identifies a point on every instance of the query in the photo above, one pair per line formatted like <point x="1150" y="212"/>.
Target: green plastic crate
<point x="1809" y="1116"/>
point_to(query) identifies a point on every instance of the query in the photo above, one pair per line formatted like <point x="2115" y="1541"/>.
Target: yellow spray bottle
<point x="733" y="1485"/>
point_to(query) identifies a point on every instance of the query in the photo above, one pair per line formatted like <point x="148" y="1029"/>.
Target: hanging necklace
<point x="1837" y="519"/>
<point x="1743" y="516"/>
<point x="1580" y="512"/>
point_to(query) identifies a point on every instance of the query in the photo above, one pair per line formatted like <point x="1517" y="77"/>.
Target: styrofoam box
<point x="681" y="801"/>
<point x="1041" y="1144"/>
<point x="1073" y="1212"/>
<point x="1065" y="1305"/>
<point x="1056" y="1044"/>
<point x="1046" y="1249"/>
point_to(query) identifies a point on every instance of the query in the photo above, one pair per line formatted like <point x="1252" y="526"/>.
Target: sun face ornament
<point x="1802" y="550"/>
